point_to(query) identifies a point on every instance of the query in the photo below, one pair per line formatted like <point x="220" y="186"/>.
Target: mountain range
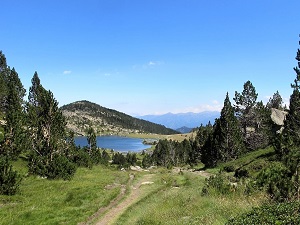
<point x="183" y="121"/>
<point x="81" y="115"/>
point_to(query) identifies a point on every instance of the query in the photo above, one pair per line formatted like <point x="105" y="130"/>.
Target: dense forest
<point x="81" y="114"/>
<point x="36" y="131"/>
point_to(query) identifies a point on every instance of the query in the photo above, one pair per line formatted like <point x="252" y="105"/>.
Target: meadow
<point x="43" y="201"/>
<point x="174" y="196"/>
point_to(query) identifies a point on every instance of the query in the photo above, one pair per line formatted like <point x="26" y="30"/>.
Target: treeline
<point x="117" y="118"/>
<point x="36" y="129"/>
<point x="241" y="128"/>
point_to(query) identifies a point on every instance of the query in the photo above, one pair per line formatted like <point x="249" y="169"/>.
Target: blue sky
<point x="152" y="57"/>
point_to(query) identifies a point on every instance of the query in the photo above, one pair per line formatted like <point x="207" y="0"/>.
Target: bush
<point x="37" y="164"/>
<point x="83" y="159"/>
<point x="9" y="179"/>
<point x="241" y="173"/>
<point x="284" y="213"/>
<point x="229" y="169"/>
<point x="218" y="184"/>
<point x="276" y="179"/>
<point x="61" y="167"/>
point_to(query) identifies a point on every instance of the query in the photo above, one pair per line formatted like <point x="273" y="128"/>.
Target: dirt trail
<point x="118" y="207"/>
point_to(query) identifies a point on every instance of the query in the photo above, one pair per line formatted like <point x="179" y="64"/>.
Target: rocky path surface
<point x="118" y="206"/>
<point x="122" y="202"/>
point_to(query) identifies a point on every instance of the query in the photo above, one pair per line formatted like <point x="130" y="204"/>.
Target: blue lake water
<point x="117" y="143"/>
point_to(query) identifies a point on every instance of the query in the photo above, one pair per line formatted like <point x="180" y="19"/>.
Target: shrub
<point x="284" y="213"/>
<point x="37" y="164"/>
<point x="230" y="168"/>
<point x="61" y="167"/>
<point x="276" y="179"/>
<point x="219" y="184"/>
<point x="9" y="179"/>
<point x="241" y="173"/>
<point x="82" y="159"/>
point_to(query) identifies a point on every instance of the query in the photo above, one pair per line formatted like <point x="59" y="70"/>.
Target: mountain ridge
<point x="82" y="114"/>
<point x="179" y="120"/>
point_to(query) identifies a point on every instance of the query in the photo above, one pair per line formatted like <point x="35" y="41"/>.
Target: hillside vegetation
<point x="83" y="114"/>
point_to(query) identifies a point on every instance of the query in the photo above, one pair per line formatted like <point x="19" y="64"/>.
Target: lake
<point x="117" y="143"/>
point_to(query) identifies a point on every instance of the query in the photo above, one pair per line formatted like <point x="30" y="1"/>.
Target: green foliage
<point x="225" y="143"/>
<point x="254" y="118"/>
<point x="287" y="145"/>
<point x="61" y="168"/>
<point x="276" y="180"/>
<point x="170" y="153"/>
<point x="253" y="161"/>
<point x="244" y="105"/>
<point x="147" y="161"/>
<point x="119" y="159"/>
<point x="82" y="158"/>
<point x="218" y="184"/>
<point x="275" y="101"/>
<point x="92" y="140"/>
<point x="9" y="179"/>
<point x="46" y="130"/>
<point x="283" y="214"/>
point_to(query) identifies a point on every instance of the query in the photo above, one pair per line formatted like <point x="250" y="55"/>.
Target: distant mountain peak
<point x="179" y="120"/>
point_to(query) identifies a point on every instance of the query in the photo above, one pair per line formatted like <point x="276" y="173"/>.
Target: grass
<point x="174" y="137"/>
<point x="180" y="201"/>
<point x="252" y="161"/>
<point x="173" y="198"/>
<point x="43" y="201"/>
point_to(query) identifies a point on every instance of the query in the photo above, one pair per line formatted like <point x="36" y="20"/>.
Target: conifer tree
<point x="229" y="140"/>
<point x="288" y="148"/>
<point x="14" y="116"/>
<point x="244" y="105"/>
<point x="226" y="142"/>
<point x="4" y="71"/>
<point x="47" y="131"/>
<point x="275" y="101"/>
<point x="92" y="140"/>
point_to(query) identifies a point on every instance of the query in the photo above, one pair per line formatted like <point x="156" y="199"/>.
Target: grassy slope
<point x="174" y="198"/>
<point x="181" y="202"/>
<point x="43" y="201"/>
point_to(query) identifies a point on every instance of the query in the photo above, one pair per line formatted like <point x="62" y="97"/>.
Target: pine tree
<point x="230" y="137"/>
<point x="275" y="101"/>
<point x="288" y="148"/>
<point x="4" y="71"/>
<point x="47" y="131"/>
<point x="92" y="140"/>
<point x="226" y="142"/>
<point x="14" y="116"/>
<point x="244" y="105"/>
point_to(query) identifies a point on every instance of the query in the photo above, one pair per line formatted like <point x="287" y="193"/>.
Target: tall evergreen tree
<point x="226" y="142"/>
<point x="244" y="106"/>
<point x="47" y="130"/>
<point x="288" y="148"/>
<point x="14" y="116"/>
<point x="92" y="140"/>
<point x="4" y="71"/>
<point x="275" y="101"/>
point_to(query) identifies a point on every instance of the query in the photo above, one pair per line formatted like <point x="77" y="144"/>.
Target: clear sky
<point x="152" y="56"/>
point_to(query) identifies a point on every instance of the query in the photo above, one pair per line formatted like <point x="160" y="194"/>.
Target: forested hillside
<point x="82" y="114"/>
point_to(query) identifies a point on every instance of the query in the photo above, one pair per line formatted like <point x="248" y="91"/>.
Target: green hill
<point x="82" y="114"/>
